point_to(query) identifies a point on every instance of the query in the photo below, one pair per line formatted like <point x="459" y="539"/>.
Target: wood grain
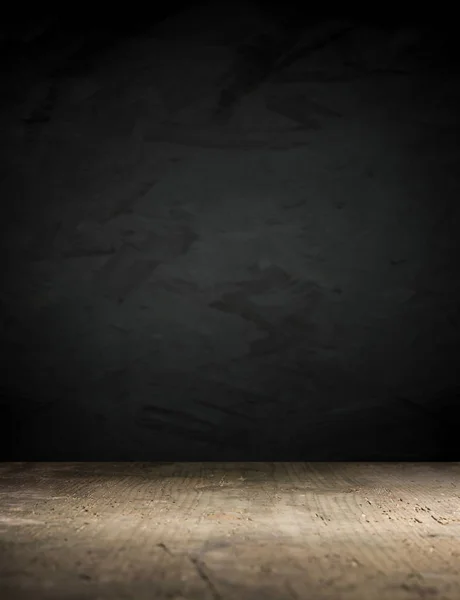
<point x="229" y="530"/>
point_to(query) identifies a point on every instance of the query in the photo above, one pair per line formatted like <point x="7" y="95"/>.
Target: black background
<point x="45" y="411"/>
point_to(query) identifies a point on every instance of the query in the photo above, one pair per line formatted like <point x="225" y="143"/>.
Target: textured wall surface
<point x="231" y="236"/>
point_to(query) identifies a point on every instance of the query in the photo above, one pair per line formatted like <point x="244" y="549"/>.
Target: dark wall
<point x="148" y="324"/>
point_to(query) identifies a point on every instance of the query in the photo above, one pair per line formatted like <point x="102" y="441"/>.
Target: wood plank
<point x="229" y="530"/>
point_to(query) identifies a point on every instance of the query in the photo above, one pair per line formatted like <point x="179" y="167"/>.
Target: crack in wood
<point x="203" y="575"/>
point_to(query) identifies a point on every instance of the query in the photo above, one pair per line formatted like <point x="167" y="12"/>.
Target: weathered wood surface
<point x="226" y="530"/>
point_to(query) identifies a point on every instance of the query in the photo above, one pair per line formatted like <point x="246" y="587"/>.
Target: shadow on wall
<point x="46" y="429"/>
